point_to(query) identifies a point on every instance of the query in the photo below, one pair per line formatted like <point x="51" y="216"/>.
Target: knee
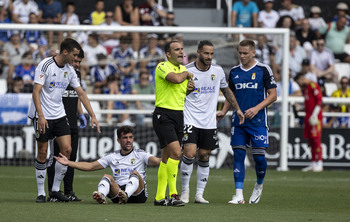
<point x="109" y="177"/>
<point x="189" y="153"/>
<point x="239" y="154"/>
<point x="204" y="157"/>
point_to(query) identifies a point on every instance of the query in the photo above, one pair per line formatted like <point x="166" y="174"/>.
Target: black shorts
<point x="57" y="127"/>
<point x="204" y="138"/>
<point x="135" y="198"/>
<point x="341" y="56"/>
<point x="168" y="125"/>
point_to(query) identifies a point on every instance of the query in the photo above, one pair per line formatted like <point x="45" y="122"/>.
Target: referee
<point x="173" y="83"/>
<point x="72" y="106"/>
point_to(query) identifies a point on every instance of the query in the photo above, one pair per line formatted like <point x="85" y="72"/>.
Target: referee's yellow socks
<point x="162" y="181"/>
<point x="172" y="167"/>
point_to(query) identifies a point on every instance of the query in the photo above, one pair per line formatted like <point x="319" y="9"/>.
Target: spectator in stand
<point x="192" y="57"/>
<point x="123" y="55"/>
<point x="268" y="17"/>
<point x="151" y="55"/>
<point x="305" y="35"/>
<point x="98" y="16"/>
<point x="128" y="14"/>
<point x="244" y="13"/>
<point x="342" y="11"/>
<point x="283" y="22"/>
<point x="22" y="10"/>
<point x="296" y="56"/>
<point x="152" y="13"/>
<point x="105" y="80"/>
<point x="26" y="70"/>
<point x="263" y="52"/>
<point x="8" y="4"/>
<point x="69" y="17"/>
<point x="337" y="35"/>
<point x="32" y="36"/>
<point x="334" y="121"/>
<point x="12" y="54"/>
<point x="169" y="21"/>
<point x="110" y="39"/>
<point x="42" y="52"/>
<point x="17" y="85"/>
<point x="306" y="70"/>
<point x="295" y="11"/>
<point x="343" y="92"/>
<point x="315" y="19"/>
<point x="322" y="62"/>
<point x="4" y="34"/>
<point x="92" y="49"/>
<point x="50" y="13"/>
<point x="143" y="87"/>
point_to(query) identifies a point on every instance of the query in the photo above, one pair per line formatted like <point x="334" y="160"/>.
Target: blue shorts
<point x="246" y="136"/>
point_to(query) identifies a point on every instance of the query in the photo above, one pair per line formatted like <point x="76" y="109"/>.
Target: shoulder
<point x="190" y="65"/>
<point x="264" y="66"/>
<point x="45" y="64"/>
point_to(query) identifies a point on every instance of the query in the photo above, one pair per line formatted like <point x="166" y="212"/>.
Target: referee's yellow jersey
<point x="169" y="95"/>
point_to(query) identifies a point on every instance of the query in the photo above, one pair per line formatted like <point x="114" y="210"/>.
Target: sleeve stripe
<point x="46" y="65"/>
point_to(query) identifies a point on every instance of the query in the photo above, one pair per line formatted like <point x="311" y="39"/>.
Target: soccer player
<point x="173" y="82"/>
<point x="200" y="118"/>
<point x="128" y="165"/>
<point x="313" y="120"/>
<point x="52" y="76"/>
<point x="254" y="87"/>
<point x="72" y="107"/>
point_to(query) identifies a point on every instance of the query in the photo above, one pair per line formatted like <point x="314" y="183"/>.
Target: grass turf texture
<point x="287" y="196"/>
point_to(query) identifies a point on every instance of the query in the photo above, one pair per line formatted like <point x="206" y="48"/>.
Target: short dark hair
<point x="247" y="42"/>
<point x="203" y="43"/>
<point x="81" y="54"/>
<point x="125" y="39"/>
<point x="298" y="76"/>
<point x="70" y="3"/>
<point x="124" y="130"/>
<point x="69" y="45"/>
<point x="167" y="46"/>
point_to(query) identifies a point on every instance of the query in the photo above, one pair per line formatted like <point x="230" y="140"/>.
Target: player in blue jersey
<point x="254" y="87"/>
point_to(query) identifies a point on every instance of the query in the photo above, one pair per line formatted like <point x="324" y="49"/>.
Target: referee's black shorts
<point x="168" y="125"/>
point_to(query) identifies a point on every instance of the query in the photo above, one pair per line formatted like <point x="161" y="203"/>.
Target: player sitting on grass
<point x="127" y="185"/>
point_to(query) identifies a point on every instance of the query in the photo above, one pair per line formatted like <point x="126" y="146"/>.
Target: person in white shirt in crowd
<point x="268" y="17"/>
<point x="110" y="39"/>
<point x="322" y="62"/>
<point x="92" y="49"/>
<point x="316" y="20"/>
<point x="264" y="53"/>
<point x="295" y="11"/>
<point x="306" y="70"/>
<point x="22" y="10"/>
<point x="69" y="17"/>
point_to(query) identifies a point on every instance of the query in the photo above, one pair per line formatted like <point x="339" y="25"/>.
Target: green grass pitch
<point x="287" y="196"/>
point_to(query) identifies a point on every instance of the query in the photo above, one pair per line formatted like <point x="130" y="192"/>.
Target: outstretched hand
<point x="62" y="159"/>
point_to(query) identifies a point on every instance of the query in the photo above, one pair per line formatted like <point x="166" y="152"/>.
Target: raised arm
<point x="153" y="161"/>
<point x="85" y="166"/>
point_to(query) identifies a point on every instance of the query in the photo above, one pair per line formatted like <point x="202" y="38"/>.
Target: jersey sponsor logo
<point x="123" y="171"/>
<point x="253" y="76"/>
<point x="117" y="172"/>
<point x="70" y="93"/>
<point x="260" y="137"/>
<point x="58" y="85"/>
<point x="212" y="77"/>
<point x="246" y="85"/>
<point x="196" y="91"/>
<point x="206" y="89"/>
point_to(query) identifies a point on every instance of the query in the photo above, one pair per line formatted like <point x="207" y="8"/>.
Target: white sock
<point x="202" y="176"/>
<point x="186" y="168"/>
<point x="132" y="185"/>
<point x="258" y="186"/>
<point x="40" y="174"/>
<point x="104" y="186"/>
<point x="239" y="192"/>
<point x="60" y="171"/>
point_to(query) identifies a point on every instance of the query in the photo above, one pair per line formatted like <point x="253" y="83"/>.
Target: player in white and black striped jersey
<point x="200" y="118"/>
<point x="127" y="183"/>
<point x="52" y="76"/>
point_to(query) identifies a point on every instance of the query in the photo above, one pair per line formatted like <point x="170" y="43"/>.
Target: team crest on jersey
<point x="185" y="138"/>
<point x="117" y="172"/>
<point x="65" y="74"/>
<point x="253" y="76"/>
<point x="212" y="77"/>
<point x="52" y="85"/>
<point x="132" y="161"/>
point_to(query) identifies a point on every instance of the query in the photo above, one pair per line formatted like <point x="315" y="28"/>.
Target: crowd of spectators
<point x="120" y="63"/>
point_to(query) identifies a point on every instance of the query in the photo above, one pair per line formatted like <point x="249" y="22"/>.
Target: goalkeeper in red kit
<point x="313" y="120"/>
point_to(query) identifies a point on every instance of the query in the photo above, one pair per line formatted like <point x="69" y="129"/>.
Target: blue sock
<point x="260" y="168"/>
<point x="238" y="167"/>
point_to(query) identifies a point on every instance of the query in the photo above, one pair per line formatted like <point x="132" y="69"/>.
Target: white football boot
<point x="185" y="196"/>
<point x="199" y="199"/>
<point x="237" y="200"/>
<point x="257" y="192"/>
